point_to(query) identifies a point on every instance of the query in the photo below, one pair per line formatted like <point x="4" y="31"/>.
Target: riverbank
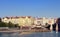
<point x="9" y="31"/>
<point x="36" y="30"/>
<point x="23" y="30"/>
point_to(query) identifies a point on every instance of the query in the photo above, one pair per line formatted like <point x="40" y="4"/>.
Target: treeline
<point x="3" y="24"/>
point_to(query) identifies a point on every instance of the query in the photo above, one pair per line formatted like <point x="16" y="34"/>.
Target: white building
<point x="38" y="21"/>
<point x="43" y="21"/>
<point x="13" y="20"/>
<point x="5" y="19"/>
<point x="51" y="21"/>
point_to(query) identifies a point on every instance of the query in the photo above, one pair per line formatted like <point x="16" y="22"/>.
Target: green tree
<point x="0" y="19"/>
<point x="16" y="25"/>
<point x="2" y="24"/>
<point x="10" y="24"/>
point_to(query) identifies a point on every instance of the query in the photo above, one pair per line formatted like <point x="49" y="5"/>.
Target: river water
<point x="31" y="34"/>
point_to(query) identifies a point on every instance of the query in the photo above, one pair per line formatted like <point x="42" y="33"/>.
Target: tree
<point x="58" y="23"/>
<point x="16" y="25"/>
<point x="0" y="19"/>
<point x="10" y="25"/>
<point x="2" y="24"/>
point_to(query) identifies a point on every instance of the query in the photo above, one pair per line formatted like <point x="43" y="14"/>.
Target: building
<point x="22" y="21"/>
<point x="5" y="19"/>
<point x="28" y="20"/>
<point x="45" y="20"/>
<point x="38" y="21"/>
<point x="51" y="21"/>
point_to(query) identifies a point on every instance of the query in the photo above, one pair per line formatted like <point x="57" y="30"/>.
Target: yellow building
<point x="14" y="20"/>
<point x="26" y="21"/>
<point x="45" y="20"/>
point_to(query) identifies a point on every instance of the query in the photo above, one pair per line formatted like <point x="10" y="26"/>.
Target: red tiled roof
<point x="29" y="16"/>
<point x="23" y="17"/>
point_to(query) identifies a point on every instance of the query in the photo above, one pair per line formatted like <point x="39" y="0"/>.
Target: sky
<point x="41" y="8"/>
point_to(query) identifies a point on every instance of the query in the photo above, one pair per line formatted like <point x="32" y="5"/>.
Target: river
<point x="31" y="34"/>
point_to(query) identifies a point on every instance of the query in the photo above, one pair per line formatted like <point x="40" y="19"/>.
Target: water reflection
<point x="33" y="34"/>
